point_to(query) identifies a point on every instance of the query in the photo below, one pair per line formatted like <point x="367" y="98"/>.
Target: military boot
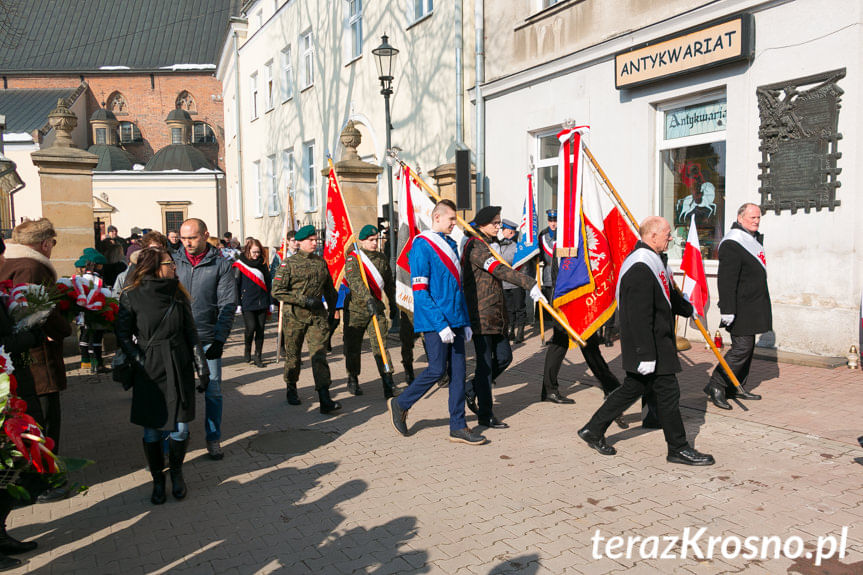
<point x="409" y="373"/>
<point x="327" y="404"/>
<point x="519" y="338"/>
<point x="354" y="385"/>
<point x="293" y="396"/>
<point x="386" y="378"/>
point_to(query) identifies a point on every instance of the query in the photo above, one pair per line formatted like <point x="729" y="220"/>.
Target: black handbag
<point x="122" y="368"/>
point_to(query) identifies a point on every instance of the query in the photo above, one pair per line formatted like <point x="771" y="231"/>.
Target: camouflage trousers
<point x="354" y="327"/>
<point x="294" y="332"/>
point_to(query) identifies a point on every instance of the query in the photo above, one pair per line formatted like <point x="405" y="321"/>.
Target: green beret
<point x="304" y="233"/>
<point x="97" y="258"/>
<point x="81" y="262"/>
<point x="368" y="231"/>
<point x="90" y="251"/>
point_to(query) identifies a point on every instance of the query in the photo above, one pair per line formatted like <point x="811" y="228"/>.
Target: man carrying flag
<point x="364" y="302"/>
<point x="744" y="302"/>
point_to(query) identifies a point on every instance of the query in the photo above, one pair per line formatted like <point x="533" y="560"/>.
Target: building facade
<point x="760" y="104"/>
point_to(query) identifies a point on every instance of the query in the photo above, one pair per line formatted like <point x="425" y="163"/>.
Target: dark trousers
<point x="493" y="356"/>
<point x="515" y="307"/>
<point x="442" y="358"/>
<point x="407" y="338"/>
<point x="557" y="348"/>
<point x="635" y="386"/>
<point x="254" y="322"/>
<point x="51" y="412"/>
<point x="739" y="359"/>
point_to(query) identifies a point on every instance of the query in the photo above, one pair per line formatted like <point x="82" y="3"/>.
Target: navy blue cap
<point x="551" y="214"/>
<point x="508" y="224"/>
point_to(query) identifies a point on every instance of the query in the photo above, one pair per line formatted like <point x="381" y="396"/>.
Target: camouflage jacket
<point x="356" y="301"/>
<point x="482" y="276"/>
<point x="303" y="276"/>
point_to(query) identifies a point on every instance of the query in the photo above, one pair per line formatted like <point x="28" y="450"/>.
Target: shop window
<point x="692" y="163"/>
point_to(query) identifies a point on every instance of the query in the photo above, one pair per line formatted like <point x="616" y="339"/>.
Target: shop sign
<point x="698" y="119"/>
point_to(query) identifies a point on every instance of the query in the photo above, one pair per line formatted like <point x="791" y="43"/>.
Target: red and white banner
<point x="256" y="275"/>
<point x="570" y="159"/>
<point x="373" y="275"/>
<point x="692" y="266"/>
<point x="339" y="231"/>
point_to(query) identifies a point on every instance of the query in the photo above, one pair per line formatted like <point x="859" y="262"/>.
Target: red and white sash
<point x="547" y="245"/>
<point x="446" y="254"/>
<point x="374" y="277"/>
<point x="254" y="274"/>
<point x="652" y="260"/>
<point x="749" y="243"/>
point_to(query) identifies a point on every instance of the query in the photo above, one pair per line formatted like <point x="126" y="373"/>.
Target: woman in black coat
<point x="253" y="289"/>
<point x="155" y="308"/>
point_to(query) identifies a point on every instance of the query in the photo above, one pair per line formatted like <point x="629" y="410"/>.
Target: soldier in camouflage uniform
<point x="361" y="304"/>
<point x="303" y="282"/>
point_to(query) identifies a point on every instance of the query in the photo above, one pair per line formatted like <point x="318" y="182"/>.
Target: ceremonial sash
<point x="373" y="276"/>
<point x="654" y="262"/>
<point x="446" y="254"/>
<point x="548" y="245"/>
<point x="749" y="243"/>
<point x="254" y="274"/>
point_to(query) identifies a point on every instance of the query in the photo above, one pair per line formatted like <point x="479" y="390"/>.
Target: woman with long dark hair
<point x="155" y="308"/>
<point x="253" y="288"/>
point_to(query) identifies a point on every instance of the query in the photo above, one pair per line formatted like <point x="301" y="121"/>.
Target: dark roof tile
<point x="27" y="110"/>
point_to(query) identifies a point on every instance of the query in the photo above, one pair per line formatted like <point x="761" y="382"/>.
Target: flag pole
<point x="469" y="229"/>
<point x="541" y="314"/>
<point x="387" y="367"/>
<point x="698" y="324"/>
<point x="289" y="217"/>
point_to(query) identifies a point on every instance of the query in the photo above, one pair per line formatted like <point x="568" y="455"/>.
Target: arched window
<point x="186" y="102"/>
<point x="116" y="103"/>
<point x="129" y="133"/>
<point x="202" y="133"/>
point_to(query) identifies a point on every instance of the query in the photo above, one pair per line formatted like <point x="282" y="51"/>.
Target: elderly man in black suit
<point x="647" y="303"/>
<point x="744" y="302"/>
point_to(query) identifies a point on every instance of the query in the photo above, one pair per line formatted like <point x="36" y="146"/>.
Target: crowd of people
<point x="179" y="293"/>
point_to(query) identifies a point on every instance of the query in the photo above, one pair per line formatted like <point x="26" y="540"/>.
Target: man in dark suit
<point x="647" y="303"/>
<point x="744" y="302"/>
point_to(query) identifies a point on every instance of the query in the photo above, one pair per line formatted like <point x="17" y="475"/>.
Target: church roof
<point x="27" y="110"/>
<point x="183" y="157"/>
<point x="111" y="158"/>
<point x="107" y="35"/>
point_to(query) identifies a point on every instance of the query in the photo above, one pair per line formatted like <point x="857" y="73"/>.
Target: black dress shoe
<point x="741" y="393"/>
<point x="596" y="442"/>
<point x="689" y="456"/>
<point x="717" y="396"/>
<point x="11" y="546"/>
<point x="620" y="422"/>
<point x="493" y="423"/>
<point x="558" y="398"/>
<point x="470" y="402"/>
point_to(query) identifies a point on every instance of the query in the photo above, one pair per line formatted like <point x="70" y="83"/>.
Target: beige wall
<point x="136" y="195"/>
<point x="423" y="104"/>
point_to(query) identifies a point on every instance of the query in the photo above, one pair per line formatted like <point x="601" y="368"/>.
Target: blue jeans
<point x="493" y="356"/>
<point x="442" y="358"/>
<point x="213" y="400"/>
<point x="181" y="433"/>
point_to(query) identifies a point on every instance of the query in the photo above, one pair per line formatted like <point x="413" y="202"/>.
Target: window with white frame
<point x="691" y="162"/>
<point x="287" y="84"/>
<point x="355" y="28"/>
<point x="308" y="71"/>
<point x="256" y="183"/>
<point x="253" y="95"/>
<point x="546" y="3"/>
<point x="269" y="87"/>
<point x="545" y="184"/>
<point x="288" y="174"/>
<point x="421" y="8"/>
<point x="272" y="187"/>
<point x="310" y="176"/>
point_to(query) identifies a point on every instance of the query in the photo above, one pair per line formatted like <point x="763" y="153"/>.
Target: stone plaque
<point x="799" y="140"/>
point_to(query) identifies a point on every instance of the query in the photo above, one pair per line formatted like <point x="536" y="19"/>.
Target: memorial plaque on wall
<point x="800" y="136"/>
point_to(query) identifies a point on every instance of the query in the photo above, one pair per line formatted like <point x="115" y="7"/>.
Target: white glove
<point x="536" y="294"/>
<point x="272" y="308"/>
<point x="446" y="335"/>
<point x="726" y="319"/>
<point x="468" y="333"/>
<point x="646" y="367"/>
<point x="239" y="310"/>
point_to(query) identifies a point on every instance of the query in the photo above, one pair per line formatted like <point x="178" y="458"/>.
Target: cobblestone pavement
<point x="370" y="501"/>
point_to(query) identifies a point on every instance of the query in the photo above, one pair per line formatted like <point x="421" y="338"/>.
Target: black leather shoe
<point x="466" y="435"/>
<point x="470" y="402"/>
<point x="620" y="422"/>
<point x="596" y="442"/>
<point x="11" y="546"/>
<point x="717" y="396"/>
<point x="741" y="393"/>
<point x="398" y="417"/>
<point x="689" y="456"/>
<point x="558" y="398"/>
<point x="493" y="423"/>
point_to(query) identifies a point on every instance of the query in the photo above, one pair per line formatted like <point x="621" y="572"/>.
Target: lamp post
<point x="385" y="57"/>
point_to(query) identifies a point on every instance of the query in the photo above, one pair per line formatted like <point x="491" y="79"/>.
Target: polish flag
<point x="694" y="281"/>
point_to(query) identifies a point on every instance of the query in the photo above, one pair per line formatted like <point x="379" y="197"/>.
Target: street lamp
<point x="385" y="57"/>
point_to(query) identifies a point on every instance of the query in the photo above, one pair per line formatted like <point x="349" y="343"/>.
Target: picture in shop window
<point x="693" y="184"/>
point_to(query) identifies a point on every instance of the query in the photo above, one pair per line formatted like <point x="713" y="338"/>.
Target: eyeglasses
<point x="171" y="263"/>
<point x="497" y="224"/>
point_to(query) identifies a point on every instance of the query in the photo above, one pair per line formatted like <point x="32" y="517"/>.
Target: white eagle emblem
<point x="595" y="256"/>
<point x="332" y="233"/>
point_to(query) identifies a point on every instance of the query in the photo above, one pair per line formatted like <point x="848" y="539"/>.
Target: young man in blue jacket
<point x="440" y="314"/>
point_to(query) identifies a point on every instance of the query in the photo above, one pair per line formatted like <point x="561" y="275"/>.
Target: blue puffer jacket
<point x="438" y="297"/>
<point x="214" y="293"/>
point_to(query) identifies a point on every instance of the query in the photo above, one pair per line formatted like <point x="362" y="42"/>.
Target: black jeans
<point x="667" y="392"/>
<point x="493" y="356"/>
<point x="739" y="359"/>
<point x="51" y="411"/>
<point x="515" y="307"/>
<point x="254" y="321"/>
